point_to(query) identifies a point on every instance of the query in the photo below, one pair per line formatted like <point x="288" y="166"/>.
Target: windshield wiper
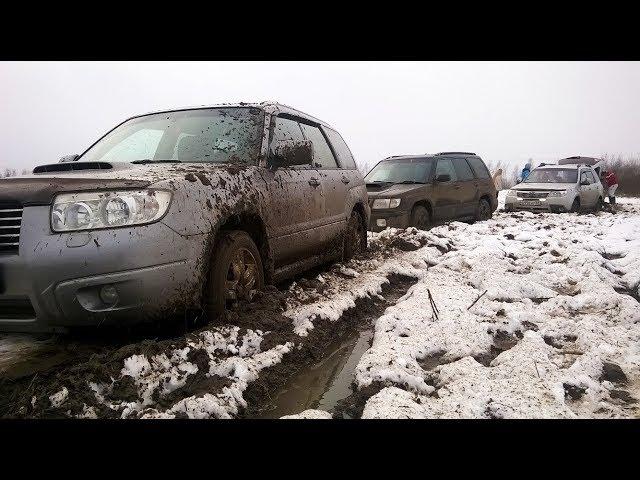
<point x="145" y="161"/>
<point x="409" y="182"/>
<point x="378" y="182"/>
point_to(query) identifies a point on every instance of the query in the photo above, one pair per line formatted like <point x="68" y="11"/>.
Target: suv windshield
<point x="218" y="135"/>
<point x="553" y="175"/>
<point x="407" y="170"/>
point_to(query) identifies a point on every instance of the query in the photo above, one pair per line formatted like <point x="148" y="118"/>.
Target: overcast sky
<point x="508" y="111"/>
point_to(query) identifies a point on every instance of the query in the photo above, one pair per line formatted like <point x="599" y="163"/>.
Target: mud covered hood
<point x="39" y="189"/>
<point x="397" y="190"/>
<point x="542" y="186"/>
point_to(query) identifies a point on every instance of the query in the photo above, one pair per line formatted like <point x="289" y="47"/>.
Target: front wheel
<point x="236" y="272"/>
<point x="484" y="210"/>
<point x="420" y="218"/>
<point x="575" y="206"/>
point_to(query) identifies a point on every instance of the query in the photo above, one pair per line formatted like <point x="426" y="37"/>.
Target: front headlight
<point x="512" y="193"/>
<point x="386" y="203"/>
<point x="557" y="193"/>
<point x="92" y="210"/>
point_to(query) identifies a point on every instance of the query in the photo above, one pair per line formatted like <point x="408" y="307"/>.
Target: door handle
<point x="314" y="182"/>
<point x="345" y="180"/>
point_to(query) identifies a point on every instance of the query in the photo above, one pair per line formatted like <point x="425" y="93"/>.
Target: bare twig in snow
<point x="477" y="299"/>
<point x="433" y="305"/>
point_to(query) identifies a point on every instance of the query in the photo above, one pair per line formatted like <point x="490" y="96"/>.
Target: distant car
<point x="567" y="187"/>
<point x="419" y="190"/>
<point x="175" y="210"/>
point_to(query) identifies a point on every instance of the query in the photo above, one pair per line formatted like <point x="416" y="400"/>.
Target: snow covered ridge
<point x="555" y="333"/>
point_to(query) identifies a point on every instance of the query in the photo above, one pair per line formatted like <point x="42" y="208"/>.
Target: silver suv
<point x="557" y="188"/>
<point x="177" y="210"/>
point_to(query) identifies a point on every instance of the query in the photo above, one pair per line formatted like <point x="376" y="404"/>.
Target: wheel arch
<point x="253" y="224"/>
<point x="423" y="203"/>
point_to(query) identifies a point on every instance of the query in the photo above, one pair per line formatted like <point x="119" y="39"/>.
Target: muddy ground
<point x="263" y="361"/>
<point x="47" y="369"/>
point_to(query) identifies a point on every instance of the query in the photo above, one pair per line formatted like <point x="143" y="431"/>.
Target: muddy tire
<point x="599" y="204"/>
<point x="355" y="238"/>
<point x="236" y="272"/>
<point x="420" y="218"/>
<point x="575" y="206"/>
<point x="484" y="210"/>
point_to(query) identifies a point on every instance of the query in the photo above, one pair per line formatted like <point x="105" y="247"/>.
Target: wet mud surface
<point x="323" y="379"/>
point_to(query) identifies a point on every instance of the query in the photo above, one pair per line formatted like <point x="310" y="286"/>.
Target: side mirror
<point x="69" y="158"/>
<point x="290" y="153"/>
<point x="443" y="178"/>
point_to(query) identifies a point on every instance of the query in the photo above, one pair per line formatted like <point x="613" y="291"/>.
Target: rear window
<point x="342" y="150"/>
<point x="463" y="171"/>
<point x="479" y="168"/>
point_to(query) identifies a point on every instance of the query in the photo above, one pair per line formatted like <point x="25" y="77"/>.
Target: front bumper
<point x="381" y="219"/>
<point x="549" y="204"/>
<point x="55" y="280"/>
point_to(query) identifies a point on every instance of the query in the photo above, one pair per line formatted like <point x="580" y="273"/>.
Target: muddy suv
<point x="420" y="190"/>
<point x="176" y="210"/>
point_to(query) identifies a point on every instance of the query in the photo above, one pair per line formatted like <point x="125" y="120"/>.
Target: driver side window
<point x="284" y="130"/>
<point x="585" y="177"/>
<point x="445" y="167"/>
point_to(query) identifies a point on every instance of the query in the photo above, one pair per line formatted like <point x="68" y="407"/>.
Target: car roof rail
<point x="455" y="153"/>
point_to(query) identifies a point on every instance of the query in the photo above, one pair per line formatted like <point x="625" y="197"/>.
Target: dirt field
<point x="526" y="315"/>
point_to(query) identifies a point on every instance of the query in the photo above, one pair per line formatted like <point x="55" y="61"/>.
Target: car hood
<point x="396" y="190"/>
<point x="41" y="188"/>
<point x="543" y="186"/>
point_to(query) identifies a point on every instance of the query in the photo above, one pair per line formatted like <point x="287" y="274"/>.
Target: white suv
<point x="557" y="188"/>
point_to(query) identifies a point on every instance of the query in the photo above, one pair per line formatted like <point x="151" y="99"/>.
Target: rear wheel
<point x="420" y="217"/>
<point x="484" y="210"/>
<point x="575" y="206"/>
<point x="355" y="239"/>
<point x="236" y="272"/>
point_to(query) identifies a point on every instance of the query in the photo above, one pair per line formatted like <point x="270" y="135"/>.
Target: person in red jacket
<point x="610" y="182"/>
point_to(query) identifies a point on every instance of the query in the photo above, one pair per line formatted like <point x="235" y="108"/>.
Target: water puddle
<point x="322" y="385"/>
<point x="326" y="382"/>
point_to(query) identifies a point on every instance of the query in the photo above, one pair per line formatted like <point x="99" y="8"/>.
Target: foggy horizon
<point x="504" y="111"/>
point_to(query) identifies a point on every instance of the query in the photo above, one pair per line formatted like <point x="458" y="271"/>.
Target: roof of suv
<point x="431" y="155"/>
<point x="268" y="106"/>
<point x="564" y="167"/>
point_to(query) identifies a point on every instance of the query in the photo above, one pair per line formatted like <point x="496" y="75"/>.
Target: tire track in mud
<point x="272" y="392"/>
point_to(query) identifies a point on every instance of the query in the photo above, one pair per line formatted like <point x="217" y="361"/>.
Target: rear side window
<point x="322" y="155"/>
<point x="462" y="169"/>
<point x="445" y="167"/>
<point x="342" y="150"/>
<point x="479" y="168"/>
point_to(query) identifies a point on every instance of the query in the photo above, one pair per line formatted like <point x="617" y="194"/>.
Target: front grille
<point x="10" y="220"/>
<point x="19" y="309"/>
<point x="524" y="194"/>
